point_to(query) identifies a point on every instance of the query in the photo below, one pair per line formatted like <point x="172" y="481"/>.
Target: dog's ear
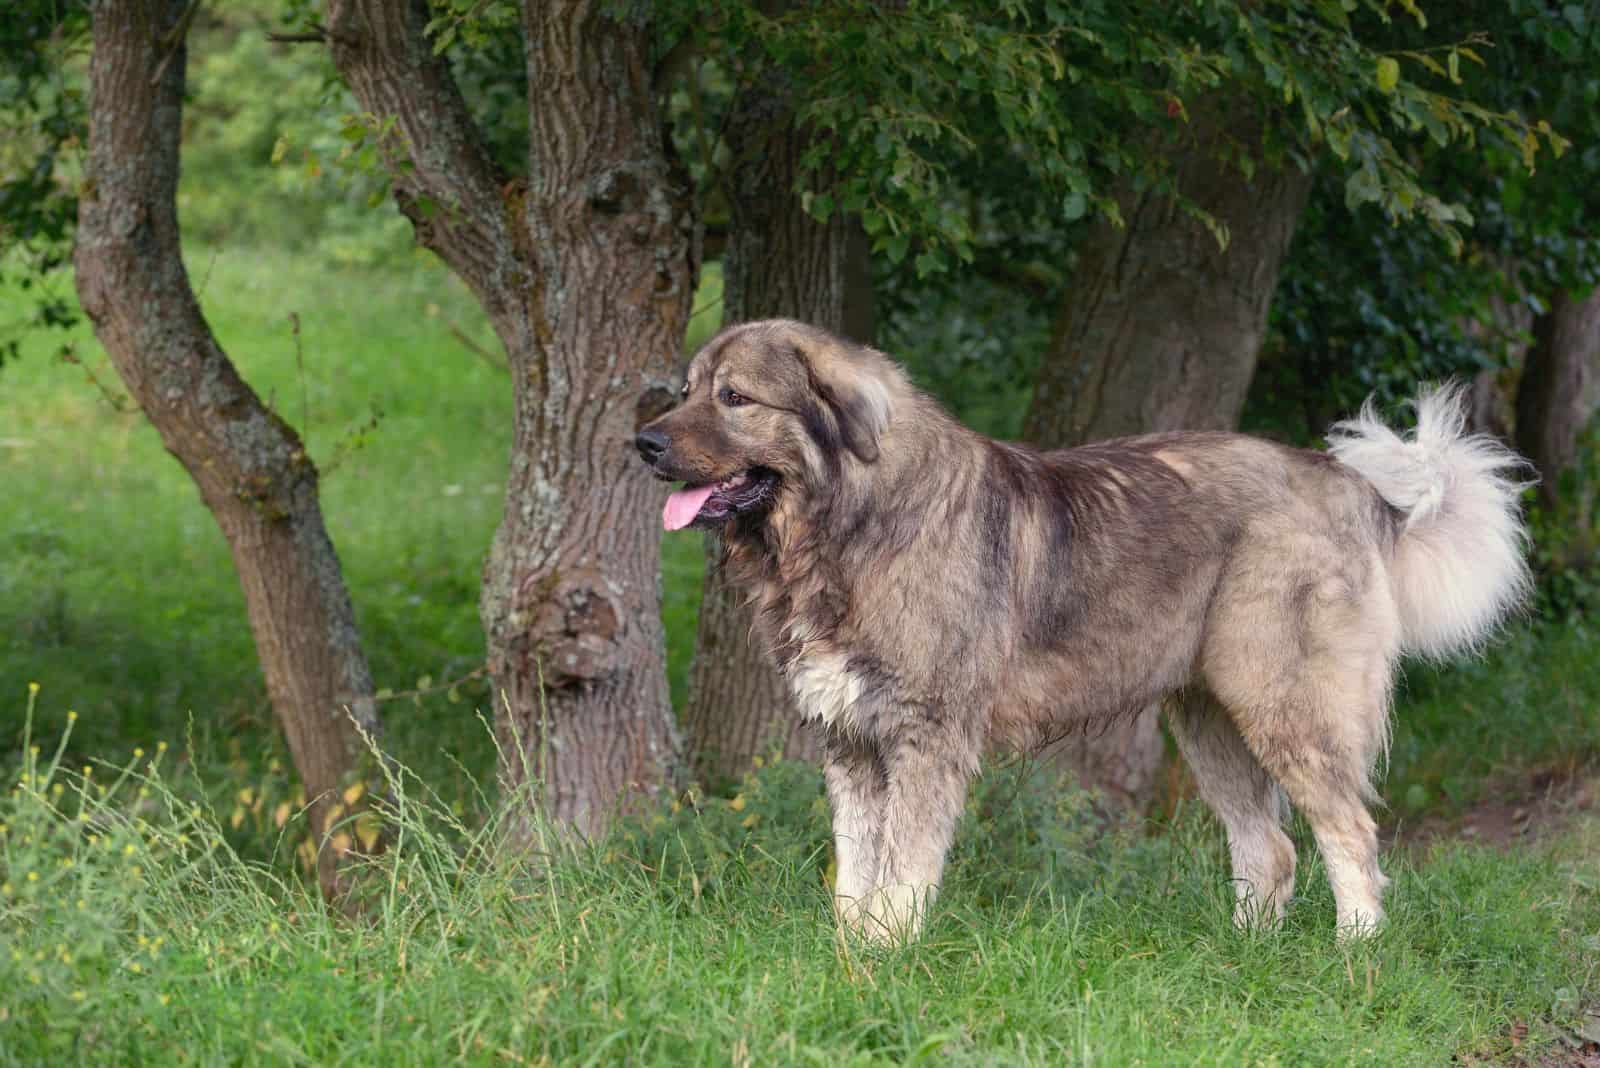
<point x="856" y="397"/>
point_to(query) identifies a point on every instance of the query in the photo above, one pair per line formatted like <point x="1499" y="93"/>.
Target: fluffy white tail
<point x="1459" y="565"/>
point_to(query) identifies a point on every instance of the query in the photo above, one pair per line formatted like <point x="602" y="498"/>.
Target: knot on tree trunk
<point x="574" y="619"/>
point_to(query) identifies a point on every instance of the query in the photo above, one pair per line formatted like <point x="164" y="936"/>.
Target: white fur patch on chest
<point x="824" y="687"/>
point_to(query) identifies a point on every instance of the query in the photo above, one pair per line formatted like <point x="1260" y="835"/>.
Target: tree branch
<point x="381" y="49"/>
<point x="315" y="35"/>
<point x="173" y="40"/>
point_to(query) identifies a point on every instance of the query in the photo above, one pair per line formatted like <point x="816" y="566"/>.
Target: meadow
<point x="153" y="909"/>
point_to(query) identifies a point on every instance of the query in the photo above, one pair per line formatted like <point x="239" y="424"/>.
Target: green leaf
<point x="1388" y="73"/>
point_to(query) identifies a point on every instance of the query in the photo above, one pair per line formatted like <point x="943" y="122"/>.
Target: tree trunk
<point x="780" y="262"/>
<point x="1491" y="400"/>
<point x="250" y="467"/>
<point x="1560" y="387"/>
<point x="1160" y="331"/>
<point x="586" y="270"/>
<point x="571" y="597"/>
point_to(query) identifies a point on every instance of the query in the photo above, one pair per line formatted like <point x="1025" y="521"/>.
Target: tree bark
<point x="1160" y="331"/>
<point x="1560" y="387"/>
<point x="249" y="465"/>
<point x="586" y="269"/>
<point x="1491" y="399"/>
<point x="779" y="262"/>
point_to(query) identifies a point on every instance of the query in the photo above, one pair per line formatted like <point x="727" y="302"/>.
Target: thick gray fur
<point x="932" y="594"/>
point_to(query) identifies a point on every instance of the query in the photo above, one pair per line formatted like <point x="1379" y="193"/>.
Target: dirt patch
<point x="1576" y="1050"/>
<point x="1517" y="811"/>
<point x="1573" y="1051"/>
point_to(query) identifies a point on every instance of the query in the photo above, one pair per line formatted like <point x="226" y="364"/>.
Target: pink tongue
<point x="683" y="506"/>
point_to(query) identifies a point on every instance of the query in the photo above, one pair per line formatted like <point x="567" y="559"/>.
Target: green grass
<point x="702" y="937"/>
<point x="135" y="934"/>
<point x="1533" y="701"/>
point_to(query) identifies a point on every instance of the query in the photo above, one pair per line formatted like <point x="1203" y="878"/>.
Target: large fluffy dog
<point x="930" y="593"/>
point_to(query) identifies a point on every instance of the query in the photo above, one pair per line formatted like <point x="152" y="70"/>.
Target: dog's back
<point x="928" y="592"/>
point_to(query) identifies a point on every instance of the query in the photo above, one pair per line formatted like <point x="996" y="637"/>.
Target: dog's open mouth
<point x="717" y="502"/>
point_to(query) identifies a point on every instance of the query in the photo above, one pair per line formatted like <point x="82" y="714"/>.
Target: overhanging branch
<point x="381" y="49"/>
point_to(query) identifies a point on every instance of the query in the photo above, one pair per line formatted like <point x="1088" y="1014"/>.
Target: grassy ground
<point x="136" y="935"/>
<point x="148" y="931"/>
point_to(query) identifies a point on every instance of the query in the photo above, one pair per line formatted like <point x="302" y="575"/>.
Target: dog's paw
<point x="892" y="915"/>
<point x="1251" y="914"/>
<point x="1358" y="924"/>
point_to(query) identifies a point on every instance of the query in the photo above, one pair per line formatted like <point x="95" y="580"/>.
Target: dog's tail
<point x="1458" y="566"/>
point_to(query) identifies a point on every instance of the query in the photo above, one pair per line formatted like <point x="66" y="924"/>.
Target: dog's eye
<point x="732" y="399"/>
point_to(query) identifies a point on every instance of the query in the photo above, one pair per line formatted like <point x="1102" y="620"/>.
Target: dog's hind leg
<point x="929" y="764"/>
<point x="1302" y="662"/>
<point x="857" y="783"/>
<point x="1327" y="786"/>
<point x="1247" y="801"/>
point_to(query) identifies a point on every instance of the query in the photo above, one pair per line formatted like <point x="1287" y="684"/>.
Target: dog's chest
<point x="825" y="689"/>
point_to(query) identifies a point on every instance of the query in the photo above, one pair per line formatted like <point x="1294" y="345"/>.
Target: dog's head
<point x="768" y="406"/>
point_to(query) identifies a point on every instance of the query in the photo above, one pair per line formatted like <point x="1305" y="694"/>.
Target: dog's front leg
<point x="928" y="763"/>
<point x="857" y="783"/>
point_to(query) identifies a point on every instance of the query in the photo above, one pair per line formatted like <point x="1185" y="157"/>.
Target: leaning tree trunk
<point x="586" y="272"/>
<point x="1560" y="387"/>
<point x="251" y="469"/>
<point x="1160" y="331"/>
<point x="780" y="262"/>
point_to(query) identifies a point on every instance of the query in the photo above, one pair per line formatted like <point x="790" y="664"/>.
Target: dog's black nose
<point x="651" y="443"/>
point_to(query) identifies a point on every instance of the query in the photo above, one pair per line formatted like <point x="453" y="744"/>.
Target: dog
<point x="931" y="594"/>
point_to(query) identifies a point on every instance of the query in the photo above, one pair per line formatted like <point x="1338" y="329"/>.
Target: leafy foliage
<point x="973" y="342"/>
<point x="918" y="97"/>
<point x="42" y="123"/>
<point x="275" y="152"/>
<point x="1367" y="308"/>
